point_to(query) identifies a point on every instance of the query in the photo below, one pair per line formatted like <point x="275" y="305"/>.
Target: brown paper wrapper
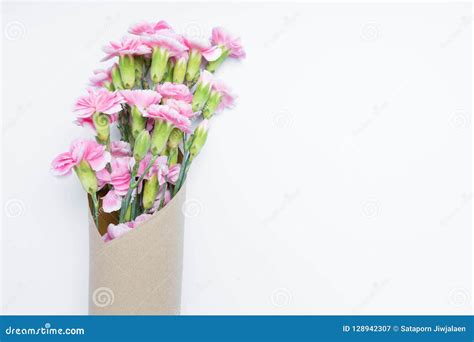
<point x="140" y="272"/>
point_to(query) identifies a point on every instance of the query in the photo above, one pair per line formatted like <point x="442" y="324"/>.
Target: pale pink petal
<point x="63" y="164"/>
<point x="116" y="231"/>
<point x="120" y="149"/>
<point x="111" y="202"/>
<point x="175" y="91"/>
<point x="212" y="53"/>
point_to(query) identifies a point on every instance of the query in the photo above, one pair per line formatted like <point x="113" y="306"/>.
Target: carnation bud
<point x="150" y="191"/>
<point x="211" y="104"/>
<point x="138" y="122"/>
<point x="203" y="90"/>
<point x="159" y="61"/>
<point x="212" y="66"/>
<point x="87" y="177"/>
<point x="116" y="78"/>
<point x="169" y="71"/>
<point x="127" y="70"/>
<point x="139" y="64"/>
<point x="199" y="139"/>
<point x="161" y="132"/>
<point x="172" y="156"/>
<point x="102" y="127"/>
<point x="175" y="138"/>
<point x="179" y="71"/>
<point x="194" y="64"/>
<point x="142" y="145"/>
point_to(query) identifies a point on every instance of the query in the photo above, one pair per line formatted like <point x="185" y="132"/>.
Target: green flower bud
<point x="169" y="71"/>
<point x="142" y="145"/>
<point x="194" y="64"/>
<point x="127" y="70"/>
<point x="139" y="64"/>
<point x="150" y="191"/>
<point x="161" y="133"/>
<point x="199" y="139"/>
<point x="138" y="122"/>
<point x="211" y="104"/>
<point x="102" y="126"/>
<point x="116" y="78"/>
<point x="203" y="90"/>
<point x="175" y="138"/>
<point x="212" y="66"/>
<point x="87" y="177"/>
<point x="172" y="156"/>
<point x="159" y="61"/>
<point x="179" y="71"/>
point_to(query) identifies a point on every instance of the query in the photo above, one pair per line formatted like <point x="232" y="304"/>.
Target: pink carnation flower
<point x="169" y="114"/>
<point x="90" y="151"/>
<point x="115" y="231"/>
<point x="146" y="28"/>
<point x="119" y="178"/>
<point x="181" y="107"/>
<point x="127" y="46"/>
<point x="175" y="91"/>
<point x="120" y="149"/>
<point x="142" y="99"/>
<point x="98" y="101"/>
<point x="227" y="98"/>
<point x="159" y="168"/>
<point x="209" y="52"/>
<point x="101" y="77"/>
<point x="223" y="38"/>
<point x="167" y="40"/>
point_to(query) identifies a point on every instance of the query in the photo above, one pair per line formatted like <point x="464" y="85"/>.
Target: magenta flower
<point x="223" y="38"/>
<point x="145" y="28"/>
<point x="98" y="101"/>
<point x="141" y="99"/>
<point x="90" y="151"/>
<point x="208" y="51"/>
<point x="127" y="46"/>
<point x="169" y="114"/>
<point x="175" y="91"/>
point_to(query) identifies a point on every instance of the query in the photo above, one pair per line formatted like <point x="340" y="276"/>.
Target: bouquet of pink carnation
<point x="160" y="93"/>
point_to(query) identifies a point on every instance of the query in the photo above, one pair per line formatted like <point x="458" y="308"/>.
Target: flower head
<point x="170" y="115"/>
<point x="146" y="28"/>
<point x="81" y="150"/>
<point x="227" y="99"/>
<point x="141" y="99"/>
<point x="175" y="91"/>
<point x="101" y="77"/>
<point x="167" y="40"/>
<point x="127" y="46"/>
<point x="223" y="38"/>
<point x="208" y="51"/>
<point x="159" y="167"/>
<point x="98" y="101"/>
<point x="120" y="149"/>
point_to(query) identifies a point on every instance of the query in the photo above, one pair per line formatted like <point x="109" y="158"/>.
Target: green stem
<point x="95" y="200"/>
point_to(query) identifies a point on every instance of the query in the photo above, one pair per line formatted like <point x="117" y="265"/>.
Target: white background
<point x="340" y="183"/>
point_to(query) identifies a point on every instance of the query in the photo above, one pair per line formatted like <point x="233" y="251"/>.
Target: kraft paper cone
<point x="140" y="272"/>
